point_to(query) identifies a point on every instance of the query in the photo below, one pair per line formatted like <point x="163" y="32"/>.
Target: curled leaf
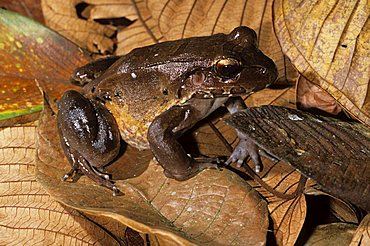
<point x="362" y="234"/>
<point x="63" y="18"/>
<point x="328" y="42"/>
<point x="331" y="234"/>
<point x="311" y="96"/>
<point x="334" y="153"/>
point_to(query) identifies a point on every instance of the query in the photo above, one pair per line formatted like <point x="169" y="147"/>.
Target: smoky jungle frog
<point x="152" y="95"/>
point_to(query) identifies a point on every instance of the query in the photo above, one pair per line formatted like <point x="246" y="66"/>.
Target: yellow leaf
<point x="328" y="42"/>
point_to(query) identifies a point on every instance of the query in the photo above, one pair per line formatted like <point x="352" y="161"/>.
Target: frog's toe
<point x="194" y="169"/>
<point x="73" y="175"/>
<point x="247" y="148"/>
<point x="206" y="165"/>
<point x="239" y="155"/>
<point x="116" y="191"/>
<point x="100" y="172"/>
<point x="267" y="155"/>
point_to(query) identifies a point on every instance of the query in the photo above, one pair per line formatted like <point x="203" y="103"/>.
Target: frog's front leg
<point x="246" y="147"/>
<point x="89" y="135"/>
<point x="163" y="142"/>
<point x="87" y="73"/>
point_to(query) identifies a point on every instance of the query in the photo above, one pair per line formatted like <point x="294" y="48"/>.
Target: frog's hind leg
<point x="79" y="165"/>
<point x="89" y="136"/>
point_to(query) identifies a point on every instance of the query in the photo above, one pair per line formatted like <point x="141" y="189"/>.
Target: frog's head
<point x="240" y="69"/>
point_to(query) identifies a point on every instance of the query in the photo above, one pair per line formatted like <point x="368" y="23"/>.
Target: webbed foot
<point x="247" y="148"/>
<point x="81" y="166"/>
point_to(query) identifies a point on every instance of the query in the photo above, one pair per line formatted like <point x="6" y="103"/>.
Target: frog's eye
<point x="228" y="68"/>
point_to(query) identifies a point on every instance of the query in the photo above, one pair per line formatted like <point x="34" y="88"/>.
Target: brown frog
<point x="152" y="95"/>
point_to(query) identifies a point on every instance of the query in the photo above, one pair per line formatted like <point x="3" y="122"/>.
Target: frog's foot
<point x="72" y="174"/>
<point x="79" y="166"/>
<point x="99" y="177"/>
<point x="194" y="169"/>
<point x="247" y="148"/>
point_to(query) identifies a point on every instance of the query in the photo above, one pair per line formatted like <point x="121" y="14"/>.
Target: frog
<point x="154" y="94"/>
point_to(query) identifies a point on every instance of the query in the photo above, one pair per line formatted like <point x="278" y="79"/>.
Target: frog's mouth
<point x="223" y="92"/>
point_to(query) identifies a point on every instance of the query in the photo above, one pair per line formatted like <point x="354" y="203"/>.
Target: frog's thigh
<point x="88" y="134"/>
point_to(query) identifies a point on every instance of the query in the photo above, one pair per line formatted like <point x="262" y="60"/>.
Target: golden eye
<point x="228" y="68"/>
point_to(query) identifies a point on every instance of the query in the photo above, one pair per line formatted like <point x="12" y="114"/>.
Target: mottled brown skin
<point x="154" y="94"/>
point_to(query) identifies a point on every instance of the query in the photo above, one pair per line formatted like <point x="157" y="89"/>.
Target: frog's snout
<point x="266" y="70"/>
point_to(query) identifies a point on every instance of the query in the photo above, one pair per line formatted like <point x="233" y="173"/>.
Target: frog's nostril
<point x="260" y="69"/>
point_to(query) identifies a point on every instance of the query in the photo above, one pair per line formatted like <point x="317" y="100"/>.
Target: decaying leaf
<point x="28" y="215"/>
<point x="342" y="210"/>
<point x="62" y="17"/>
<point x="328" y="42"/>
<point x="287" y="214"/>
<point x="362" y="234"/>
<point x="213" y="208"/>
<point x="30" y="53"/>
<point x="311" y="97"/>
<point x="331" y="234"/>
<point x="334" y="153"/>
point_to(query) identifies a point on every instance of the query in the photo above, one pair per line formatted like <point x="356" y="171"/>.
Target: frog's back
<point x="202" y="49"/>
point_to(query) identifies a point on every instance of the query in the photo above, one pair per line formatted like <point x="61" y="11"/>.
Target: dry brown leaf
<point x="279" y="97"/>
<point x="311" y="96"/>
<point x="213" y="208"/>
<point x="362" y="234"/>
<point x="328" y="42"/>
<point x="332" y="152"/>
<point x="287" y="215"/>
<point x="343" y="211"/>
<point x="62" y="17"/>
<point x="28" y="215"/>
<point x="331" y="234"/>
